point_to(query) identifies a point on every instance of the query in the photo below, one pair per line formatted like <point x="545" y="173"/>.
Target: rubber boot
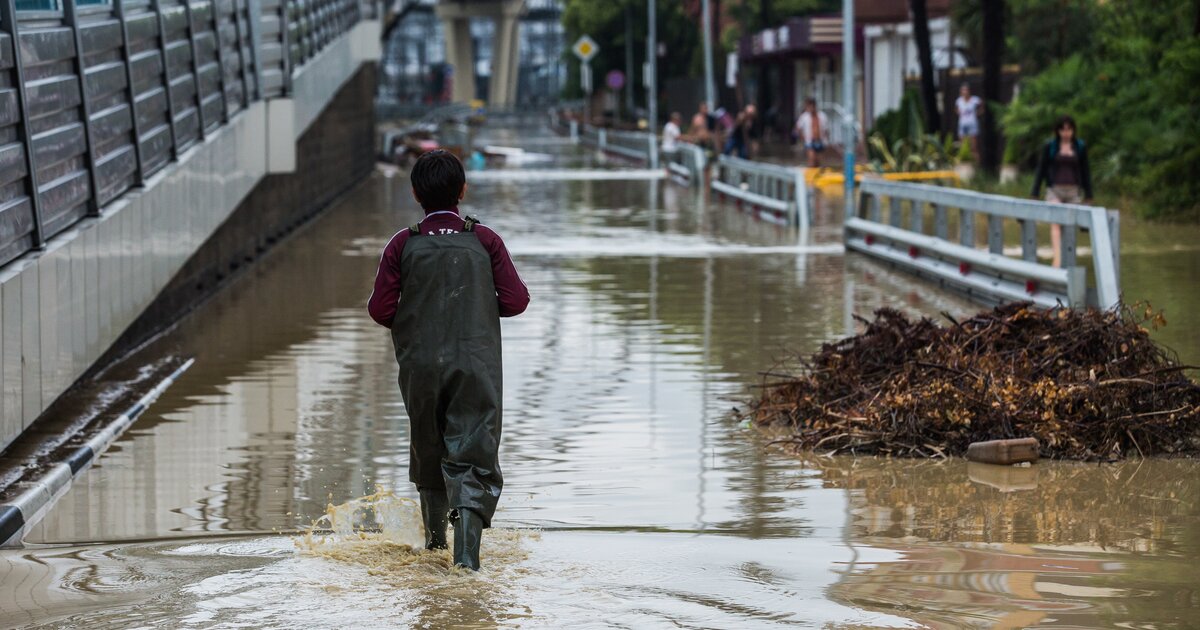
<point x="468" y="530"/>
<point x="435" y="509"/>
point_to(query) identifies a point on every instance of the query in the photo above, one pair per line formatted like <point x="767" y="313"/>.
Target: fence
<point x="635" y="145"/>
<point x="989" y="275"/>
<point x="687" y="163"/>
<point x="97" y="97"/>
<point x="777" y="189"/>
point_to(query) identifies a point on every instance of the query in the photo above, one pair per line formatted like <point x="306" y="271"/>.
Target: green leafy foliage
<point x="604" y="21"/>
<point x="1134" y="96"/>
<point x="898" y="143"/>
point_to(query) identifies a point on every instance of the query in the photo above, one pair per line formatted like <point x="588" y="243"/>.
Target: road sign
<point x="615" y="79"/>
<point x="585" y="48"/>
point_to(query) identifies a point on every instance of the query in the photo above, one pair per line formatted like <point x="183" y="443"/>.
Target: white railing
<point x="836" y="114"/>
<point x="687" y="164"/>
<point x="635" y="145"/>
<point x="778" y="189"/>
<point x="909" y="241"/>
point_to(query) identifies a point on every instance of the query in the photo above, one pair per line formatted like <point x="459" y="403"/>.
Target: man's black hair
<point x="437" y="179"/>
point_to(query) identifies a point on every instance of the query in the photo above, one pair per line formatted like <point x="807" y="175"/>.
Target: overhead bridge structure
<point x="149" y="147"/>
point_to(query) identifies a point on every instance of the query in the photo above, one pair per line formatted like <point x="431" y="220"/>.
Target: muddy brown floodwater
<point x="633" y="500"/>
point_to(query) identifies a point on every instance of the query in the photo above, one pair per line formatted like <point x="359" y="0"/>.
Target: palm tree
<point x="920" y="22"/>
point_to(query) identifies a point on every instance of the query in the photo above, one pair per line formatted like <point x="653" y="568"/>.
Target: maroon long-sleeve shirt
<point x="511" y="292"/>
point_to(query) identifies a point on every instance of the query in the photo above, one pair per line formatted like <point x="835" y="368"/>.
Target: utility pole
<point x="848" y="100"/>
<point x="710" y="96"/>
<point x="652" y="79"/>
<point x="652" y="69"/>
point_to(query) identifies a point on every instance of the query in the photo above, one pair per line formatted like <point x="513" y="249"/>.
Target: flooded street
<point x="632" y="498"/>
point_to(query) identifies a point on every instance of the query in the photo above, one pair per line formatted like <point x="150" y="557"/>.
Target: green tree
<point x="1132" y="91"/>
<point x="604" y="21"/>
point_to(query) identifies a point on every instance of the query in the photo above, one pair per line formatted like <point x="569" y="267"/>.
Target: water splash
<point x="384" y="533"/>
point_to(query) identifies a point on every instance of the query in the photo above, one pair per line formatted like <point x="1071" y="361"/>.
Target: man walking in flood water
<point x="442" y="287"/>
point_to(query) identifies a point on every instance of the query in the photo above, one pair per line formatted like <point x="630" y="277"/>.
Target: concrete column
<point x="506" y="54"/>
<point x="459" y="52"/>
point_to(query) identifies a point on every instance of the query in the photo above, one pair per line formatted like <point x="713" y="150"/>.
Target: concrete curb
<point x="38" y="496"/>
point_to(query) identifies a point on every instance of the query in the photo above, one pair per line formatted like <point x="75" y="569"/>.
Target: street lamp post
<point x="652" y="78"/>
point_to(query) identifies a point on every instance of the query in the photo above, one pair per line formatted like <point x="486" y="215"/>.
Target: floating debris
<point x="1087" y="384"/>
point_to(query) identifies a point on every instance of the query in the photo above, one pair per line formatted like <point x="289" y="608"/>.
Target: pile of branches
<point x="1088" y="384"/>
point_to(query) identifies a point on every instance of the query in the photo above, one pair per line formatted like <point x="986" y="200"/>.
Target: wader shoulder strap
<point x="414" y="228"/>
<point x="469" y="223"/>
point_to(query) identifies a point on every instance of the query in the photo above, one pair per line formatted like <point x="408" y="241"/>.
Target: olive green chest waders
<point x="447" y="340"/>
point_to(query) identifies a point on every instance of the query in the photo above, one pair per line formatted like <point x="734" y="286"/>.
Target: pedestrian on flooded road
<point x="968" y="108"/>
<point x="813" y="128"/>
<point x="671" y="135"/>
<point x="740" y="136"/>
<point x="442" y="287"/>
<point x="1063" y="167"/>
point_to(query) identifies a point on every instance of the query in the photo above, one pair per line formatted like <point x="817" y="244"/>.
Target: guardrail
<point x="636" y="145"/>
<point x="687" y="163"/>
<point x="991" y="275"/>
<point x="778" y="189"/>
<point x="99" y="97"/>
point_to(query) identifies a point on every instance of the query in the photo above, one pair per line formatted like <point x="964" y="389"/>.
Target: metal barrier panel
<point x="148" y="85"/>
<point x="107" y="102"/>
<point x="231" y="53"/>
<point x="55" y="118"/>
<point x="179" y="69"/>
<point x="206" y="62"/>
<point x="18" y="229"/>
<point x="990" y="275"/>
<point x="271" y="48"/>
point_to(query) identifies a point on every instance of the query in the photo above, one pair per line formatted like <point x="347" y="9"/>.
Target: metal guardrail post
<point x="131" y="92"/>
<point x="803" y="208"/>
<point x="966" y="227"/>
<point x="995" y="234"/>
<point x="156" y="7"/>
<point x="1069" y="237"/>
<point x="602" y="138"/>
<point x="1107" y="289"/>
<point x="1029" y="240"/>
<point x="652" y="147"/>
<point x="8" y="15"/>
<point x="1114" y="232"/>
<point x="71" y="18"/>
<point x="894" y="211"/>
